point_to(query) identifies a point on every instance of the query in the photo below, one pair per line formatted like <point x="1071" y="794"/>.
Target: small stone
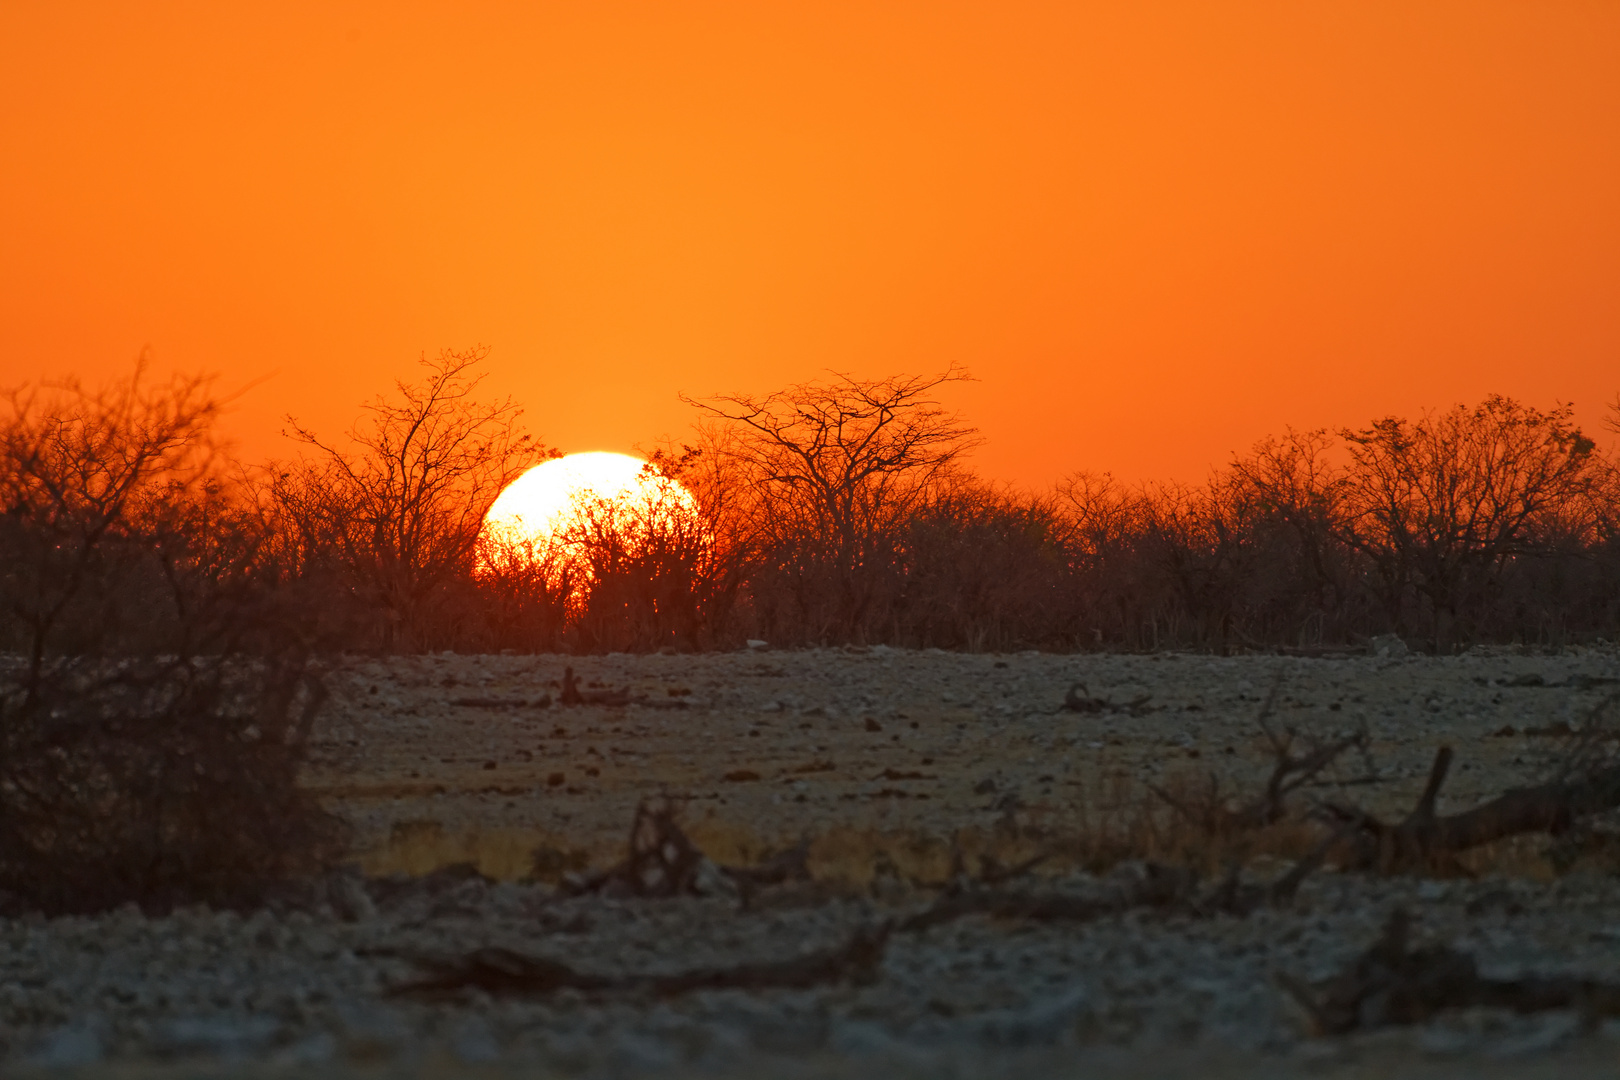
<point x="1387" y="645"/>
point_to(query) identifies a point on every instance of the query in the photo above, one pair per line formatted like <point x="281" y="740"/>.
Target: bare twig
<point x="1289" y="773"/>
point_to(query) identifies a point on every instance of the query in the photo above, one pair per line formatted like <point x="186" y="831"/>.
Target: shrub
<point x="143" y="755"/>
<point x="158" y="782"/>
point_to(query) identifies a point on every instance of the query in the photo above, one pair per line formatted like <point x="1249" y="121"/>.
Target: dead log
<point x="1392" y="984"/>
<point x="506" y="973"/>
<point x="1426" y="841"/>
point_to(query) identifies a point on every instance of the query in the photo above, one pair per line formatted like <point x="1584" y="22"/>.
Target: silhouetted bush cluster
<point x="828" y="513"/>
<point x="153" y="699"/>
<point x="1488" y="524"/>
<point x="158" y="781"/>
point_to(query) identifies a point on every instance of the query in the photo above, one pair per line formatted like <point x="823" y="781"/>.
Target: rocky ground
<point x="477" y="797"/>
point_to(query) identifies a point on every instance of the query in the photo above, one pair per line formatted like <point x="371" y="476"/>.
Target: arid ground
<point x="884" y="758"/>
<point x="899" y="772"/>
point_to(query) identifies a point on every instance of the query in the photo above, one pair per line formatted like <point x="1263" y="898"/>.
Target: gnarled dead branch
<point x="1426" y="841"/>
<point x="1290" y="772"/>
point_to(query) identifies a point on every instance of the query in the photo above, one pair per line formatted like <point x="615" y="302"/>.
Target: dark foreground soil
<point x="897" y="770"/>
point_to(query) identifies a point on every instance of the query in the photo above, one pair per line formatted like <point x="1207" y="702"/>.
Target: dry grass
<point x="1092" y="832"/>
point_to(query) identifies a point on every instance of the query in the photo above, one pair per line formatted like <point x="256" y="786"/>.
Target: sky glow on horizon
<point x="1154" y="233"/>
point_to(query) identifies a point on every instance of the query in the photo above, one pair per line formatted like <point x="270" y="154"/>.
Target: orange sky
<point x="1155" y="231"/>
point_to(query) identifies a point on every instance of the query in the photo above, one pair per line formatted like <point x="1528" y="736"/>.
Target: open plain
<point x="483" y="811"/>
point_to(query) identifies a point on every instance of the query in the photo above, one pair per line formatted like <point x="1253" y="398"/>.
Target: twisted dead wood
<point x="1426" y="841"/>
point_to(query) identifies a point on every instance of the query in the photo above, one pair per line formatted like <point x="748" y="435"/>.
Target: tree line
<point x="833" y="512"/>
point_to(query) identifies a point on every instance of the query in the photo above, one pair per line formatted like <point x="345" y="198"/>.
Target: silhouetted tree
<point x="835" y="468"/>
<point x="1302" y="490"/>
<point x="92" y="484"/>
<point x="983" y="568"/>
<point x="1443" y="505"/>
<point x="400" y="508"/>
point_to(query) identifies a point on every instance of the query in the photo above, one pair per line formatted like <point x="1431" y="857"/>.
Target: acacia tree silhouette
<point x="1297" y="486"/>
<point x="836" y="467"/>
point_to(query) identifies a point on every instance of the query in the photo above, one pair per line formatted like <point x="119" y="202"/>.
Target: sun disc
<point x="543" y="507"/>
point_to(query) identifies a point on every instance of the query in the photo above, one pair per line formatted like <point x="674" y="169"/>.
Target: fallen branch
<point x="1391" y="984"/>
<point x="506" y="973"/>
<point x="1425" y="841"/>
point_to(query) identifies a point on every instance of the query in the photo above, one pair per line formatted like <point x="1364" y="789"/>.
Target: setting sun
<point x="555" y="504"/>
